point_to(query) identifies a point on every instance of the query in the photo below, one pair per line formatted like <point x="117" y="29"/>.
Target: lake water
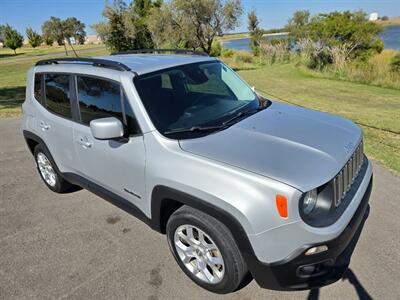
<point x="390" y="36"/>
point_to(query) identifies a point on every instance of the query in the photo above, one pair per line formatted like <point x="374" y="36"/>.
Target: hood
<point x="300" y="147"/>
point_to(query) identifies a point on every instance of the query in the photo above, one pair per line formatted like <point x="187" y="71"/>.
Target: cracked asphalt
<point x="78" y="246"/>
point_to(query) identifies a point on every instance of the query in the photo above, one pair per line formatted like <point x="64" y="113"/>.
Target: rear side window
<point x="38" y="87"/>
<point x="98" y="98"/>
<point x="58" y="95"/>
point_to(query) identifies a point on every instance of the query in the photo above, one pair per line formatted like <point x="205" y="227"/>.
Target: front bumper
<point x="307" y="272"/>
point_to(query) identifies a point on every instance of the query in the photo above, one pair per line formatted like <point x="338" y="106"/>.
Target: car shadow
<point x="352" y="278"/>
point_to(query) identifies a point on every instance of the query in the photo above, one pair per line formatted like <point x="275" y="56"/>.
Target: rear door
<point x="117" y="165"/>
<point x="54" y="117"/>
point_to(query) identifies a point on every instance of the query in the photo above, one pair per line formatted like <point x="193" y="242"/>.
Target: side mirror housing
<point x="107" y="128"/>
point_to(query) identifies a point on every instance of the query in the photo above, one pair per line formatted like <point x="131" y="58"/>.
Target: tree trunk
<point x="70" y="44"/>
<point x="66" y="51"/>
<point x="15" y="51"/>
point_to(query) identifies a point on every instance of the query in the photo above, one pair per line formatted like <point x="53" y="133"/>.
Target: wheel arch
<point x="165" y="201"/>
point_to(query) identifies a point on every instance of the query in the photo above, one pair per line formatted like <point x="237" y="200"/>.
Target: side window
<point x="98" y="98"/>
<point x="38" y="87"/>
<point x="57" y="94"/>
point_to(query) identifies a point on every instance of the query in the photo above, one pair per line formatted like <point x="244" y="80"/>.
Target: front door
<point x="116" y="165"/>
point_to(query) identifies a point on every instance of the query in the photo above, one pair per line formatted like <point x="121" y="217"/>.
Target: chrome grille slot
<point x="345" y="178"/>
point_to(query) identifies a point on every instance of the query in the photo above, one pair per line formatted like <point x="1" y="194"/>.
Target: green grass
<point x="25" y="52"/>
<point x="375" y="109"/>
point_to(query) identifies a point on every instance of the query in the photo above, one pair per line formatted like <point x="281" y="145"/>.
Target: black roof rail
<point x="97" y="62"/>
<point x="157" y="51"/>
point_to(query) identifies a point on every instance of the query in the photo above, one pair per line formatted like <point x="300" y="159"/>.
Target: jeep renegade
<point x="243" y="187"/>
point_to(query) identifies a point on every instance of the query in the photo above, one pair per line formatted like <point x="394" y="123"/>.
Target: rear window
<point x="58" y="95"/>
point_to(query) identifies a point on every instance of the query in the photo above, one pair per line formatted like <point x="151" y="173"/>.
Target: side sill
<point x="107" y="195"/>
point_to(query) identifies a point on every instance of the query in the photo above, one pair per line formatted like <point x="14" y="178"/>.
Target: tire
<point x="227" y="274"/>
<point x="48" y="171"/>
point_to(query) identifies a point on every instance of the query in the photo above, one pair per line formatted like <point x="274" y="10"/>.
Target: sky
<point x="273" y="13"/>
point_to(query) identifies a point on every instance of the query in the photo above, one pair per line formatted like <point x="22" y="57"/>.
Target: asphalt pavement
<point x="78" y="246"/>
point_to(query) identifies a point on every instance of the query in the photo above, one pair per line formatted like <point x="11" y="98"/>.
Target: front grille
<point x="343" y="181"/>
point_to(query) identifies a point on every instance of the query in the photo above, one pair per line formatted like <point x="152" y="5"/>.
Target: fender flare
<point x="163" y="193"/>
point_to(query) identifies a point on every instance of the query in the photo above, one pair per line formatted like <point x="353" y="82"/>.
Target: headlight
<point x="310" y="201"/>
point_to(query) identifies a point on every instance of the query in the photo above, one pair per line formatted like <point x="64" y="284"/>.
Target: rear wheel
<point x="48" y="171"/>
<point x="205" y="250"/>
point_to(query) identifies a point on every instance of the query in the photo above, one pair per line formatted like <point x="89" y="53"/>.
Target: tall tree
<point x="298" y="25"/>
<point x="127" y="25"/>
<point x="73" y="28"/>
<point x="193" y="23"/>
<point x="12" y="38"/>
<point x="54" y="29"/>
<point x="2" y="27"/>
<point x="34" y="38"/>
<point x="256" y="33"/>
<point x="116" y="39"/>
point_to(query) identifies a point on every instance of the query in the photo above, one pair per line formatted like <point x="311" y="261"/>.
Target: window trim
<point x="122" y="96"/>
<point x="41" y="100"/>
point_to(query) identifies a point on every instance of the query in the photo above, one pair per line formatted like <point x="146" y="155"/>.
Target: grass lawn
<point x="375" y="109"/>
<point x="8" y="54"/>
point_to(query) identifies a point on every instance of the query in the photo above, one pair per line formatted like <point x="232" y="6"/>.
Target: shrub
<point x="216" y="49"/>
<point x="226" y="53"/>
<point x="243" y="57"/>
<point x="275" y="51"/>
<point x="395" y="63"/>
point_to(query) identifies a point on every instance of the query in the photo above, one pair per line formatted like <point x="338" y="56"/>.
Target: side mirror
<point x="106" y="128"/>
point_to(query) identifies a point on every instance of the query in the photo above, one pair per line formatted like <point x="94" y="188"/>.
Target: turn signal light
<point x="281" y="205"/>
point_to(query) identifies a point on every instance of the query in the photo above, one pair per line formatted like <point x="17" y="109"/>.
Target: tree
<point x="102" y="30"/>
<point x="298" y="25"/>
<point x="193" y="23"/>
<point x="12" y="38"/>
<point x="73" y="28"/>
<point x="60" y="31"/>
<point x="116" y="38"/>
<point x="53" y="29"/>
<point x="33" y="37"/>
<point x="2" y="27"/>
<point x="256" y="33"/>
<point x="47" y="40"/>
<point x="127" y="25"/>
<point x="350" y="28"/>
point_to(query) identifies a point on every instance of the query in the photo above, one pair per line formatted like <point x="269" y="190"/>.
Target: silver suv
<point x="243" y="187"/>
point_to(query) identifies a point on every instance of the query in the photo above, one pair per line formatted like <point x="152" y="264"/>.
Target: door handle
<point x="85" y="143"/>
<point x="44" y="126"/>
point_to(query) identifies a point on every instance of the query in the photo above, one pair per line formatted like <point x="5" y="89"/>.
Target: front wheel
<point x="205" y="250"/>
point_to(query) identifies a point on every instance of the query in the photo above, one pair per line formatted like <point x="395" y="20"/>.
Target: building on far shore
<point x="374" y="16"/>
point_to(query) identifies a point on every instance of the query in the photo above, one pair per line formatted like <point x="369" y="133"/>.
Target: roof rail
<point x="157" y="51"/>
<point x="97" y="62"/>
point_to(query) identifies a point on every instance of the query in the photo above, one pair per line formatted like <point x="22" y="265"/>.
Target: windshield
<point x="194" y="95"/>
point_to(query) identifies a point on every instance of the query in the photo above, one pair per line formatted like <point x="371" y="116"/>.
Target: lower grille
<point x="343" y="181"/>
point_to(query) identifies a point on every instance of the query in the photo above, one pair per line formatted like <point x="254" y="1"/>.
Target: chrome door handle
<point x="44" y="126"/>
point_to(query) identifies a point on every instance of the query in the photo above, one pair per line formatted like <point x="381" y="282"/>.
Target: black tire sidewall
<point x="231" y="279"/>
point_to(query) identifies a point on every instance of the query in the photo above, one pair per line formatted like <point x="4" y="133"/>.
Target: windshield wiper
<point x="194" y="129"/>
<point x="241" y="114"/>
